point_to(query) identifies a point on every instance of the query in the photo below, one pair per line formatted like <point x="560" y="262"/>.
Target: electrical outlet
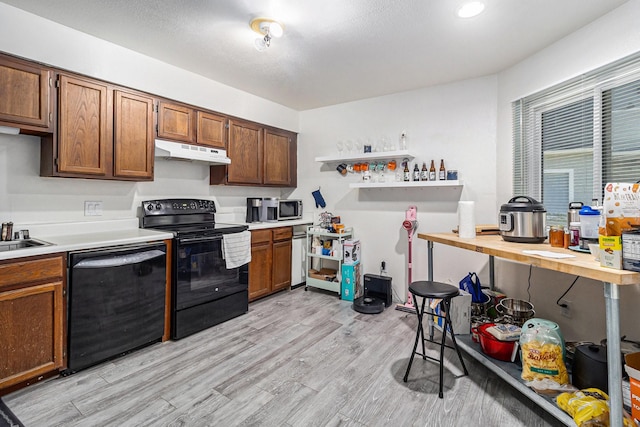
<point x="565" y="311"/>
<point x="92" y="208"/>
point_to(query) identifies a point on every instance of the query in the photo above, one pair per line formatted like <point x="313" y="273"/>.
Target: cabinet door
<point x="260" y="270"/>
<point x="84" y="143"/>
<point x="31" y="320"/>
<point x="281" y="265"/>
<point x="245" y="152"/>
<point x="176" y="122"/>
<point x="212" y="130"/>
<point x="133" y="143"/>
<point x="25" y="90"/>
<point x="277" y="161"/>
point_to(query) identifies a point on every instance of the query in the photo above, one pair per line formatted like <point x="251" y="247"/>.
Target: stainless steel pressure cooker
<point x="523" y="220"/>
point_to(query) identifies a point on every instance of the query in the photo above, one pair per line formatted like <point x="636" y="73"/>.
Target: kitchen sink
<point x="22" y="244"/>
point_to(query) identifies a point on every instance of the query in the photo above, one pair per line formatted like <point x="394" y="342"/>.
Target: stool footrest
<point x="424" y="356"/>
<point x="438" y="343"/>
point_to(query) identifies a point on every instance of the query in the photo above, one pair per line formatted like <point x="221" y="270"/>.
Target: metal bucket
<point x="479" y="309"/>
<point x="519" y="310"/>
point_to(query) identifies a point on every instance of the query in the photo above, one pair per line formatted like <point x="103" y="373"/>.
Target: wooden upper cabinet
<point x="245" y="151"/>
<point x="25" y="95"/>
<point x="133" y="143"/>
<point x="104" y="132"/>
<point x="259" y="156"/>
<point x="212" y="130"/>
<point x="84" y="142"/>
<point x="277" y="159"/>
<point x="176" y="122"/>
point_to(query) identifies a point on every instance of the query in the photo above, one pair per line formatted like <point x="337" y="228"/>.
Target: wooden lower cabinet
<point x="31" y="320"/>
<point x="270" y="267"/>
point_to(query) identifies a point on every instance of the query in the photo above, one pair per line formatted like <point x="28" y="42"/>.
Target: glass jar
<point x="574" y="230"/>
<point x="556" y="236"/>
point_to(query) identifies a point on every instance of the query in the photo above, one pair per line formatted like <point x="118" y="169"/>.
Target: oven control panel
<point x="177" y="206"/>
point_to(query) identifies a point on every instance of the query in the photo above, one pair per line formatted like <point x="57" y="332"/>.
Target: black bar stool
<point x="434" y="290"/>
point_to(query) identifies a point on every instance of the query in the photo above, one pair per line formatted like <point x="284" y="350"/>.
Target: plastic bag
<point x="471" y="284"/>
<point x="589" y="407"/>
<point x="543" y="352"/>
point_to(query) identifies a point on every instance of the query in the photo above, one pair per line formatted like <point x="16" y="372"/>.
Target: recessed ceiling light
<point x="471" y="9"/>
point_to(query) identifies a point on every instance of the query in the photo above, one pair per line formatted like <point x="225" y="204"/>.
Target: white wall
<point x="454" y="122"/>
<point x="607" y="39"/>
<point x="27" y="198"/>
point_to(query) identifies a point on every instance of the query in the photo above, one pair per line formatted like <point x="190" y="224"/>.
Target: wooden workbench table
<point x="582" y="265"/>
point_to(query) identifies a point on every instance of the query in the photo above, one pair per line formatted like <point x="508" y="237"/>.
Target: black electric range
<point x="204" y="292"/>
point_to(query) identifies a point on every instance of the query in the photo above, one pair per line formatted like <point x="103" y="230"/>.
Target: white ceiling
<point x="333" y="51"/>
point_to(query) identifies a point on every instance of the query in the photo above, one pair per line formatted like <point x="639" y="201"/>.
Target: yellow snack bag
<point x="589" y="407"/>
<point x="542" y="349"/>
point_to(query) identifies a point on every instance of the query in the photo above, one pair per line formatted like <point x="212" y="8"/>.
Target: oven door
<point x="201" y="275"/>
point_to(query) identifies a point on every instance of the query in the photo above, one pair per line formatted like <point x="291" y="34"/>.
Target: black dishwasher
<point x="116" y="301"/>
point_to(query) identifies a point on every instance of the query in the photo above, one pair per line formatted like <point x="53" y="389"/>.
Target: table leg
<point x="492" y="272"/>
<point x="430" y="277"/>
<point x="612" y="305"/>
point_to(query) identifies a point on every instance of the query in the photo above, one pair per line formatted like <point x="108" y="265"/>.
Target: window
<point x="573" y="138"/>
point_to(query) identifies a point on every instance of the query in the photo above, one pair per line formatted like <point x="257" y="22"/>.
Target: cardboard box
<point x="351" y="285"/>
<point x="327" y="274"/>
<point x="621" y="207"/>
<point x="351" y="250"/>
<point x="460" y="313"/>
<point x="632" y="366"/>
<point x="611" y="251"/>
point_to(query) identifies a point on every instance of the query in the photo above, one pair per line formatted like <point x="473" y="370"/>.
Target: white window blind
<point x="571" y="139"/>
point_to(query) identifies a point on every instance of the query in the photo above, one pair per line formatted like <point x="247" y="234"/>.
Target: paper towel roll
<point x="466" y="220"/>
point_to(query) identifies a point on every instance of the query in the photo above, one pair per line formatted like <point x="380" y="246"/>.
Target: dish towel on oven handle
<point x="236" y="248"/>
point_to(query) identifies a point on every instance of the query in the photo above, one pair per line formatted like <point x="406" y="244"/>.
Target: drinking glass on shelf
<point x="381" y="168"/>
<point x="349" y="145"/>
<point x="385" y="144"/>
<point x="358" y="146"/>
<point x="340" y="147"/>
<point x="390" y="144"/>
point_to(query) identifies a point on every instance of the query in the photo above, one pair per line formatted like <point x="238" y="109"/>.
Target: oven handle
<point x="199" y="239"/>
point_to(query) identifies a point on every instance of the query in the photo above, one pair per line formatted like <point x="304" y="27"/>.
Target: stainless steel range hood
<point x="186" y="152"/>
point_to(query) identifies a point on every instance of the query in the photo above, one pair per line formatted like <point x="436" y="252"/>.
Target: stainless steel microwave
<point x="289" y="209"/>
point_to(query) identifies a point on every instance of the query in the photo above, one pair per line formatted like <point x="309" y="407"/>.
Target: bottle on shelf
<point x="442" y="174"/>
<point x="407" y="173"/>
<point x="403" y="140"/>
<point x="424" y="173"/>
<point x="416" y="172"/>
<point x="432" y="172"/>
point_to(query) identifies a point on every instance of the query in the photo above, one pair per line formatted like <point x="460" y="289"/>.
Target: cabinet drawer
<point x="28" y="270"/>
<point x="260" y="236"/>
<point x="282" y="233"/>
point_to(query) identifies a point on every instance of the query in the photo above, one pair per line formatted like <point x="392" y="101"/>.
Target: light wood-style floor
<point x="296" y="359"/>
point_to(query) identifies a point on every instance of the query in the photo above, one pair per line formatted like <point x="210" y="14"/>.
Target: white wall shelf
<point x="366" y="157"/>
<point x="407" y="184"/>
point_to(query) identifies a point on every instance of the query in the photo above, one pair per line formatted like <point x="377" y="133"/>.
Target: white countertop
<point x="262" y="225"/>
<point x="67" y="237"/>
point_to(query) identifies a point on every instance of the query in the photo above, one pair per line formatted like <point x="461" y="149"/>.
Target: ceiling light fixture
<point x="471" y="9"/>
<point x="268" y="29"/>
